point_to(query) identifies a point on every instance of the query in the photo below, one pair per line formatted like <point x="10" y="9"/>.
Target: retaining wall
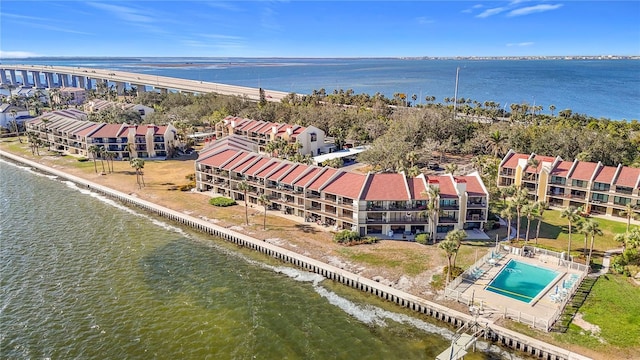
<point x="503" y="336"/>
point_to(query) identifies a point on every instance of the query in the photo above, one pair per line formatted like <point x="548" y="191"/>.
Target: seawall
<point x="498" y="334"/>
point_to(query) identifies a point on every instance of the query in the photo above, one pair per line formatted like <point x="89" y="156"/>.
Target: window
<point x="600" y="198"/>
<point x="579" y="183"/>
<point x="619" y="200"/>
<point x="314" y="137"/>
<point x="598" y="186"/>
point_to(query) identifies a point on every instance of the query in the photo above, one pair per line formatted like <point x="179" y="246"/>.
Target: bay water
<point x="84" y="277"/>
<point x="608" y="88"/>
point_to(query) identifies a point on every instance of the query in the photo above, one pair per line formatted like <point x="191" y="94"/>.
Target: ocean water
<point x="84" y="277"/>
<point x="598" y="88"/>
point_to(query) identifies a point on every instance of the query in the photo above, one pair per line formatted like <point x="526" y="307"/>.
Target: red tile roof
<point x="244" y="162"/>
<point x="220" y="158"/>
<point x="386" y="187"/>
<point x="541" y="160"/>
<point x="240" y="156"/>
<point x="293" y="174"/>
<point x="86" y="131"/>
<point x="322" y="179"/>
<point x="267" y="169"/>
<point x="584" y="170"/>
<point x="303" y="181"/>
<point x="512" y="162"/>
<point x="280" y="172"/>
<point x="417" y="188"/>
<point x="346" y="184"/>
<point x="447" y="188"/>
<point x="251" y="171"/>
<point x="110" y="131"/>
<point x="628" y="177"/>
<point x="606" y="174"/>
<point x="562" y="168"/>
<point x="474" y="188"/>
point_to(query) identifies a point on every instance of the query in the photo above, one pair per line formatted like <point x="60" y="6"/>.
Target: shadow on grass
<point x="551" y="231"/>
<point x="308" y="229"/>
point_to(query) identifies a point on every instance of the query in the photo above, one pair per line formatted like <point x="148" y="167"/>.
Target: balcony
<point x="447" y="220"/>
<point x="476" y="205"/>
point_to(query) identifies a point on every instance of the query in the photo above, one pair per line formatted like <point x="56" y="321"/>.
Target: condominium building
<point x="598" y="189"/>
<point x="70" y="95"/>
<point x="68" y="131"/>
<point x="371" y="204"/>
<point x="97" y="105"/>
<point x="310" y="138"/>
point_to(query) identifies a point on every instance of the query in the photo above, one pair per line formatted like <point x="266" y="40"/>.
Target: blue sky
<point x="299" y="28"/>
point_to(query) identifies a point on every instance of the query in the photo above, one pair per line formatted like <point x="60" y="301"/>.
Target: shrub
<point x="222" y="201"/>
<point x="346" y="236"/>
<point x="82" y="159"/>
<point x="422" y="238"/>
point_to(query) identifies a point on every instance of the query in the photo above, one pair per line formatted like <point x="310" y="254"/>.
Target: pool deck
<point x="542" y="306"/>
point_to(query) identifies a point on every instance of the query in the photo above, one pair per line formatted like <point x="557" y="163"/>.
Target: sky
<point x="300" y="28"/>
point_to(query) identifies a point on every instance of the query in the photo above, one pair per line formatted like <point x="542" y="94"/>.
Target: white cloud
<point x="16" y="54"/>
<point x="423" y="20"/>
<point x="123" y="12"/>
<point x="520" y="44"/>
<point x="533" y="9"/>
<point x="491" y="12"/>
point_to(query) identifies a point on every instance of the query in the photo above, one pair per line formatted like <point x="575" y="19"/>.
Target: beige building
<point x="310" y="138"/>
<point x="388" y="205"/>
<point x="598" y="189"/>
<point x="70" y="95"/>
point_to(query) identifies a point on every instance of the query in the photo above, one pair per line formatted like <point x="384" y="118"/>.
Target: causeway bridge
<point x="46" y="76"/>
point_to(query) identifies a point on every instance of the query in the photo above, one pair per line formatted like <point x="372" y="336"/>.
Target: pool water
<point x="521" y="281"/>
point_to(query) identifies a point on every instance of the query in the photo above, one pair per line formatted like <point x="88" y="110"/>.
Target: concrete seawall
<point x="498" y="334"/>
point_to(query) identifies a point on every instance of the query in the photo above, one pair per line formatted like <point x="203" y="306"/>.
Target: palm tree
<point x="629" y="213"/>
<point x="506" y="192"/>
<point x="450" y="247"/>
<point x="457" y="236"/>
<point x="593" y="228"/>
<point x="572" y="215"/>
<point x="433" y="193"/>
<point x="496" y="142"/>
<point x="244" y="187"/>
<point x="94" y="150"/>
<point x="552" y="108"/>
<point x="411" y="157"/>
<point x="264" y="201"/>
<point x="529" y="212"/>
<point x="541" y="206"/>
<point x="507" y="213"/>
<point x="519" y="201"/>
<point x="138" y="164"/>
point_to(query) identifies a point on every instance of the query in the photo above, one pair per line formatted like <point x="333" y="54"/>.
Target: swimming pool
<point x="521" y="281"/>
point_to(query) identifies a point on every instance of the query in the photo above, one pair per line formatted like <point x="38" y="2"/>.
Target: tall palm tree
<point x="433" y="193"/>
<point x="507" y="213"/>
<point x="457" y="236"/>
<point x="593" y="230"/>
<point x="541" y="206"/>
<point x="573" y="216"/>
<point x="451" y="168"/>
<point x="629" y="212"/>
<point x="138" y="164"/>
<point x="506" y="192"/>
<point x="94" y="150"/>
<point x="529" y="212"/>
<point x="244" y="187"/>
<point x="520" y="199"/>
<point x="449" y="247"/>
<point x="264" y="201"/>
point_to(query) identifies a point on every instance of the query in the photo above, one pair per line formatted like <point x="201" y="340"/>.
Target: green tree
<point x="457" y="236"/>
<point x="541" y="206"/>
<point x="593" y="229"/>
<point x="450" y="247"/>
<point x="529" y="212"/>
<point x="244" y="187"/>
<point x="94" y="150"/>
<point x="497" y="142"/>
<point x="433" y="193"/>
<point x="507" y="214"/>
<point x="520" y="199"/>
<point x="629" y="212"/>
<point x="138" y="165"/>
<point x="264" y="201"/>
<point x="572" y="214"/>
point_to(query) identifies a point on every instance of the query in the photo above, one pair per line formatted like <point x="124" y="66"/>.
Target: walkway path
<point x="605" y="262"/>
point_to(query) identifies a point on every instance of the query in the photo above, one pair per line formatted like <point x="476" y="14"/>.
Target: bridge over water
<point x="46" y="76"/>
